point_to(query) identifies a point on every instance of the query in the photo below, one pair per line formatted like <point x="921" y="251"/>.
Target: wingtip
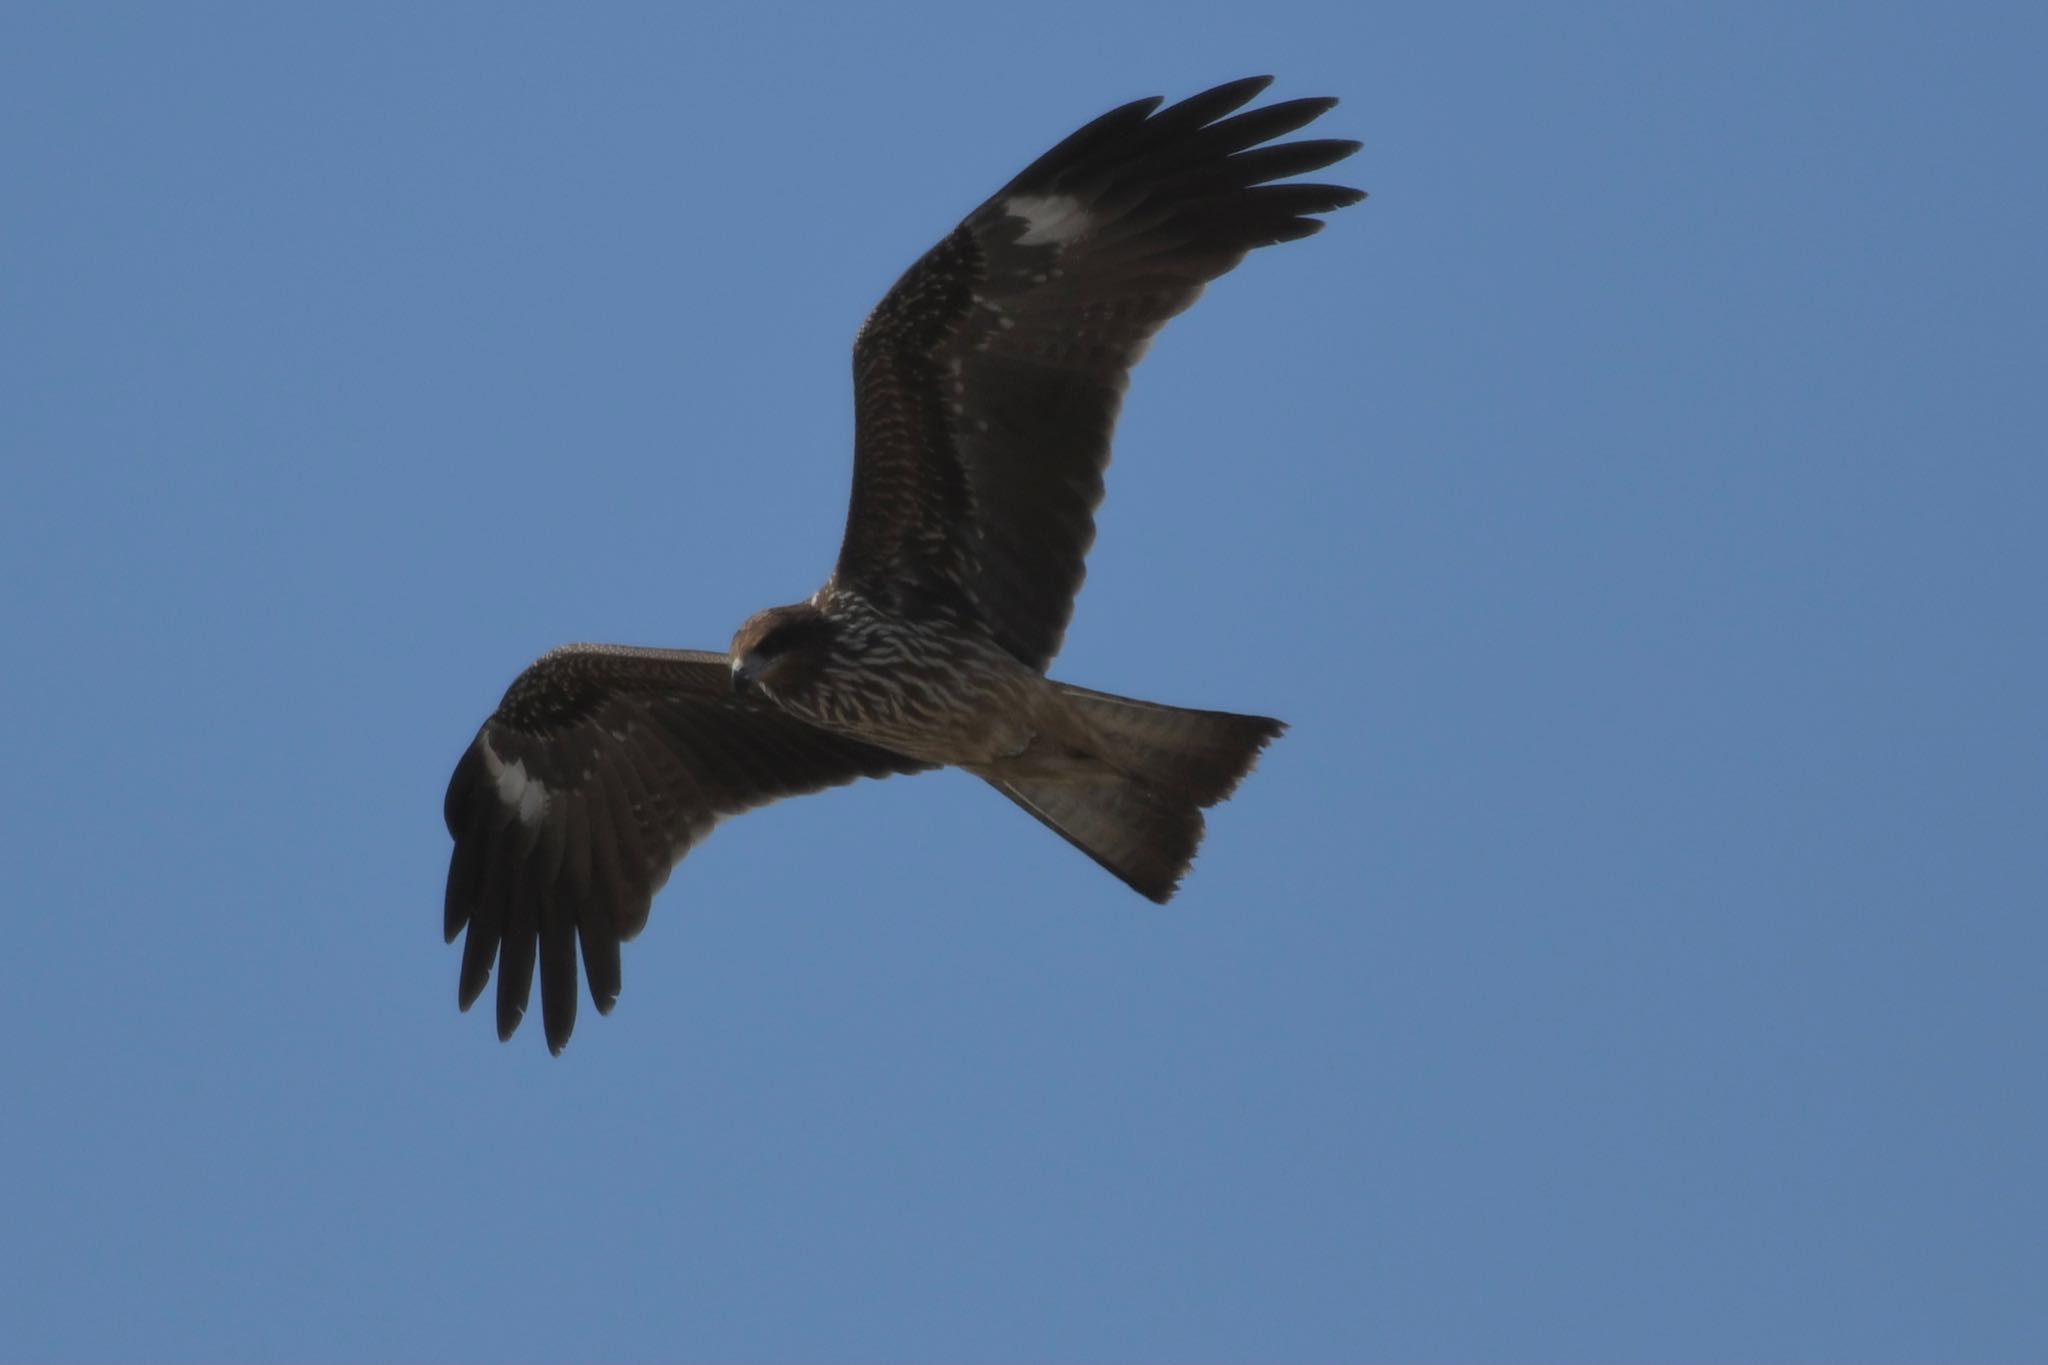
<point x="1208" y="107"/>
<point x="558" y="1030"/>
<point x="1244" y="88"/>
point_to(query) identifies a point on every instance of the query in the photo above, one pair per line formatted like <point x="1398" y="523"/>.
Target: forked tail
<point x="1142" y="817"/>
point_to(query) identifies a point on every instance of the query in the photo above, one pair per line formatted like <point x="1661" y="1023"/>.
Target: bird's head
<point x="779" y="649"/>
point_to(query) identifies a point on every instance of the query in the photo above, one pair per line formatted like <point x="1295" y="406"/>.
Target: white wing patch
<point x="528" y="796"/>
<point x="1049" y="219"/>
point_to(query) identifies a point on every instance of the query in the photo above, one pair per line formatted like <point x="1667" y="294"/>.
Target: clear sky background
<point x="1635" y="949"/>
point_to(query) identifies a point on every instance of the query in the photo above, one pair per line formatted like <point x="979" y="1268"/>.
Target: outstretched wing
<point x="599" y="770"/>
<point x="987" y="383"/>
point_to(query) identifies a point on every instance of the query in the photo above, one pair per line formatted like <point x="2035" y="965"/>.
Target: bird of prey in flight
<point x="986" y="388"/>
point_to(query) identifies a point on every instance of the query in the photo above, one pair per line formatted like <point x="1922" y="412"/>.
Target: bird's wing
<point x="987" y="382"/>
<point x="601" y="768"/>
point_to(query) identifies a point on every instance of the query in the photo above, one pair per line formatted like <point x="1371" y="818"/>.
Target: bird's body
<point x="934" y="689"/>
<point x="987" y="384"/>
<point x="937" y="689"/>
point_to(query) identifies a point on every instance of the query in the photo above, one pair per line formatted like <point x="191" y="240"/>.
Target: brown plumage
<point x="986" y="389"/>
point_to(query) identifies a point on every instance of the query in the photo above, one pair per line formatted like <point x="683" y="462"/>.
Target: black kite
<point x="986" y="387"/>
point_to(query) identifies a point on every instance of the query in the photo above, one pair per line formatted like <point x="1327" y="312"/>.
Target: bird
<point x="986" y="389"/>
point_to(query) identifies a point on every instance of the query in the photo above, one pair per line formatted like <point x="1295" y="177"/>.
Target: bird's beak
<point x="742" y="679"/>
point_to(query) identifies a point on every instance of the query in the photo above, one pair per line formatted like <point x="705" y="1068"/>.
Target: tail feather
<point x="1140" y="817"/>
<point x="1199" y="756"/>
<point x="1119" y="823"/>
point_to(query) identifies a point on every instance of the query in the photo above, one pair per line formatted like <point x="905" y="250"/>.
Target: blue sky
<point x="1634" y="949"/>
